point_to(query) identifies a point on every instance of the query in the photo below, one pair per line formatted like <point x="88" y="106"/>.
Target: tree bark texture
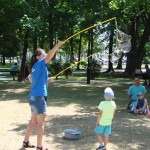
<point x="110" y="65"/>
<point x="21" y="75"/>
<point x="135" y="56"/>
<point x="79" y="52"/>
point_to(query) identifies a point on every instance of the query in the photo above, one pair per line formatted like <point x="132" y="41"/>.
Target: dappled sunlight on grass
<point x="16" y="90"/>
<point x="71" y="105"/>
<point x="70" y="109"/>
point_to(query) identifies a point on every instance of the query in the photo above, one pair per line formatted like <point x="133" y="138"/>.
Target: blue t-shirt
<point x="39" y="75"/>
<point x="134" y="90"/>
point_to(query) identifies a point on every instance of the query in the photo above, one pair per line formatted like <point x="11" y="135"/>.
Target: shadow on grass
<point x="67" y="93"/>
<point x="84" y="123"/>
<point x="129" y="132"/>
<point x="14" y="90"/>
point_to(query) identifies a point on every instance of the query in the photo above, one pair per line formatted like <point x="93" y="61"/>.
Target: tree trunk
<point x="131" y="60"/>
<point x="1" y="60"/>
<point x="34" y="42"/>
<point x="92" y="41"/>
<point x="135" y="56"/>
<point x="79" y="52"/>
<point x="89" y="59"/>
<point x="3" y="57"/>
<point x="144" y="39"/>
<point x="50" y="22"/>
<point x="110" y="65"/>
<point x="71" y="47"/>
<point x="21" y="75"/>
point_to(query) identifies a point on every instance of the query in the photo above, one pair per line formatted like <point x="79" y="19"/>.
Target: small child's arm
<point x="145" y="105"/>
<point x="99" y="117"/>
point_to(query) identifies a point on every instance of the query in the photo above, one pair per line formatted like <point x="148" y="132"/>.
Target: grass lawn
<point x="7" y="65"/>
<point x="71" y="104"/>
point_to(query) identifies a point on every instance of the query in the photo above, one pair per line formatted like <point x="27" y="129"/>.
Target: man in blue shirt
<point x="14" y="70"/>
<point x="134" y="90"/>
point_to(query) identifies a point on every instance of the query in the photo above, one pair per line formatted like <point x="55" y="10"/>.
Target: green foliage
<point x="58" y="20"/>
<point x="7" y="65"/>
<point x="94" y="69"/>
<point x="113" y="5"/>
<point x="9" y="20"/>
<point x="146" y="60"/>
<point x="83" y="64"/>
<point x="68" y="69"/>
<point x="55" y="67"/>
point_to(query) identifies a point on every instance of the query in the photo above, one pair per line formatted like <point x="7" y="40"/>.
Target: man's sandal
<point x="27" y="145"/>
<point x="41" y="148"/>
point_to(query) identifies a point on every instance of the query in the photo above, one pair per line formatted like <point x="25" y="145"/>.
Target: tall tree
<point x="11" y="11"/>
<point x="110" y="64"/>
<point x="136" y="23"/>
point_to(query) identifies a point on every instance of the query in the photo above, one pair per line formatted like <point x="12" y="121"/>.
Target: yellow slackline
<point x="99" y="23"/>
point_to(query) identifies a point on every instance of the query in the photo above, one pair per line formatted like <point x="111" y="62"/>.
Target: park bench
<point x="12" y="73"/>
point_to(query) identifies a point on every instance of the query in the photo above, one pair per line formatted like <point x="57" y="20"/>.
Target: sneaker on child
<point x="101" y="147"/>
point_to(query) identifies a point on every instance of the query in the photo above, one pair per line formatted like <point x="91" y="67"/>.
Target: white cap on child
<point x="108" y="93"/>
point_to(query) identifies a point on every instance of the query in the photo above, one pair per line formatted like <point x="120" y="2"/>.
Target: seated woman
<point x="141" y="106"/>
